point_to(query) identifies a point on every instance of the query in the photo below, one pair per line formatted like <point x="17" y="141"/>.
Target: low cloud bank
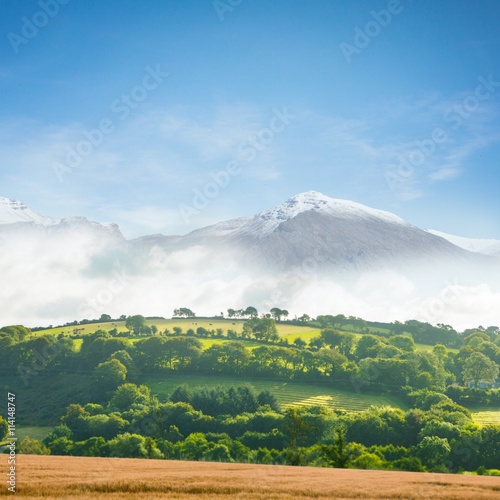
<point x="49" y="282"/>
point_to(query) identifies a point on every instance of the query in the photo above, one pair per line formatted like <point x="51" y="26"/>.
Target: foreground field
<point x="104" y="478"/>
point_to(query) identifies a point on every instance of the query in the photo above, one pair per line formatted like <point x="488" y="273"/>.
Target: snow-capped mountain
<point x="268" y="221"/>
<point x="15" y="216"/>
<point x="338" y="234"/>
<point x="310" y="253"/>
<point x="14" y="211"/>
<point x="484" y="246"/>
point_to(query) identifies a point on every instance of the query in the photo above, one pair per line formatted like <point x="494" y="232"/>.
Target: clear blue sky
<point x="358" y="90"/>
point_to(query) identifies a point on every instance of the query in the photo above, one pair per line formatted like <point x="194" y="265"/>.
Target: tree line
<point x="237" y="424"/>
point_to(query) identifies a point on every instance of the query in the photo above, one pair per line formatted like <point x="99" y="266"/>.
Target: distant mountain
<point x="16" y="217"/>
<point x="307" y="229"/>
<point x="337" y="234"/>
<point x="484" y="246"/>
<point x="311" y="254"/>
<point x="14" y="211"/>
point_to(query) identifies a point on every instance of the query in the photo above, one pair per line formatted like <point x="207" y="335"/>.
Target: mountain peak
<point x="318" y="202"/>
<point x="14" y="211"/>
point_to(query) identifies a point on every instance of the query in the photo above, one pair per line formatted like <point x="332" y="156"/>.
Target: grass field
<point x="52" y="477"/>
<point x="287" y="393"/>
<point x="486" y="416"/>
<point x="33" y="432"/>
<point x="290" y="332"/>
<point x="185" y="324"/>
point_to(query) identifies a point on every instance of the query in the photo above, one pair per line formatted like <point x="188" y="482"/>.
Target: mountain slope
<point x="16" y="217"/>
<point x="337" y="234"/>
<point x="484" y="246"/>
<point x="14" y="211"/>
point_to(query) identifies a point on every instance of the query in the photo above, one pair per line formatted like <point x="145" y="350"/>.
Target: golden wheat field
<point x="52" y="477"/>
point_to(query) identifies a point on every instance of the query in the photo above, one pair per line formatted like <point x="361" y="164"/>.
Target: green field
<point x="33" y="432"/>
<point x="287" y="393"/>
<point x="289" y="332"/>
<point x="485" y="416"/>
<point x="284" y="330"/>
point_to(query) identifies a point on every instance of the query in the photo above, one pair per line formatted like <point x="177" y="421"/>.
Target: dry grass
<point x="99" y="478"/>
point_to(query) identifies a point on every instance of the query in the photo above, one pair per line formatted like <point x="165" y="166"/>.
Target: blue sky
<point x="394" y="104"/>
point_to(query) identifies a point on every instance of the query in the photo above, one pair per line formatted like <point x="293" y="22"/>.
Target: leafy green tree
<point x="251" y="312"/>
<point x="368" y="346"/>
<point x="127" y="361"/>
<point x="60" y="431"/>
<point x="194" y="446"/>
<point x="433" y="451"/>
<point x="403" y="342"/>
<point x="336" y="454"/>
<point x="262" y="329"/>
<point x="30" y="446"/>
<point x="16" y="332"/>
<point x="136" y="324"/>
<point x="128" y="394"/>
<point x="181" y="393"/>
<point x="276" y="313"/>
<point x="298" y="342"/>
<point x="61" y="446"/>
<point x="75" y="419"/>
<point x="108" y="376"/>
<point x="479" y="368"/>
<point x="4" y="428"/>
<point x="95" y="446"/>
<point x="128" y="446"/>
<point x="368" y="461"/>
<point x="184" y="312"/>
<point x="410" y="464"/>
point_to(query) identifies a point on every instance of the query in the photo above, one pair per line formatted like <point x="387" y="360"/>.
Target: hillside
<point x="110" y="478"/>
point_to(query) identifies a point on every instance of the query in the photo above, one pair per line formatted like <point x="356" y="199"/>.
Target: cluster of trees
<point x="364" y="362"/>
<point x="238" y="425"/>
<point x="184" y="312"/>
<point x="251" y="312"/>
